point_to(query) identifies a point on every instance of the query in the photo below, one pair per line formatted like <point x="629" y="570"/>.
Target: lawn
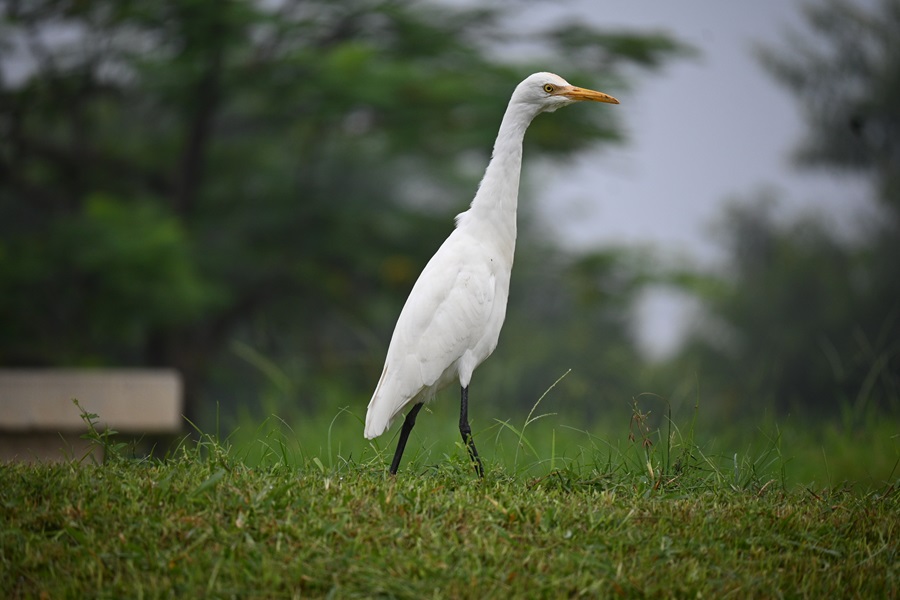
<point x="655" y="515"/>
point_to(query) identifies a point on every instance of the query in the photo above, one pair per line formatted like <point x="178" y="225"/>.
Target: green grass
<point x="561" y="513"/>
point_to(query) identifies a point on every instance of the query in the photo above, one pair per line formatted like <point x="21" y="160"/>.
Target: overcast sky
<point x="703" y="131"/>
<point x="700" y="133"/>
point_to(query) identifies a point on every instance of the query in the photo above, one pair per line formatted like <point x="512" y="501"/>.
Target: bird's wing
<point x="447" y="313"/>
<point x="451" y="322"/>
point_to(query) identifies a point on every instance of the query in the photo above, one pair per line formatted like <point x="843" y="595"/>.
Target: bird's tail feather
<point x="379" y="414"/>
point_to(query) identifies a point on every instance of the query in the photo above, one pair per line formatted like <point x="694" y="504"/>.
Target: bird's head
<point x="547" y="92"/>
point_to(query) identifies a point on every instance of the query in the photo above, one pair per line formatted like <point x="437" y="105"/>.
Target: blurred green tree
<point x="846" y="76"/>
<point x="786" y="326"/>
<point x="801" y="319"/>
<point x="215" y="184"/>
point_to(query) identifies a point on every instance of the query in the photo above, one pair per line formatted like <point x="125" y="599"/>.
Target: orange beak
<point x="579" y="94"/>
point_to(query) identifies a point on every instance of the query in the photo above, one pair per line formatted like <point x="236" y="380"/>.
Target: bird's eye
<point x="548" y="87"/>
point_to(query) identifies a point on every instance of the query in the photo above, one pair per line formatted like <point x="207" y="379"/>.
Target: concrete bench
<point x="39" y="421"/>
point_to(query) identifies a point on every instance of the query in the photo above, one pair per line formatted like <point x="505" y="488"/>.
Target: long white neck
<point x="497" y="198"/>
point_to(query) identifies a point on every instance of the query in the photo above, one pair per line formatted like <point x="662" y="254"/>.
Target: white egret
<point x="451" y="321"/>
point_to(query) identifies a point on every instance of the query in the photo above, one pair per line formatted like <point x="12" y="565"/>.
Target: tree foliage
<point x="796" y="323"/>
<point x="200" y="184"/>
<point x="846" y="75"/>
<point x="804" y="320"/>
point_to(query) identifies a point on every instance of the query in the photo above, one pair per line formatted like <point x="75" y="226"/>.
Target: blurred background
<point x="246" y="192"/>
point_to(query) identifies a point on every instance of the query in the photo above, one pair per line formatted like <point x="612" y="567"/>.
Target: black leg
<point x="404" y="435"/>
<point x="466" y="431"/>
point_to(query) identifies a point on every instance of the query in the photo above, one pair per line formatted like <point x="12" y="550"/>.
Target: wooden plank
<point x="127" y="400"/>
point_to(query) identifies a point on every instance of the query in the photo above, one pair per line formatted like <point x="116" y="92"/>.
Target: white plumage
<point x="452" y="318"/>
